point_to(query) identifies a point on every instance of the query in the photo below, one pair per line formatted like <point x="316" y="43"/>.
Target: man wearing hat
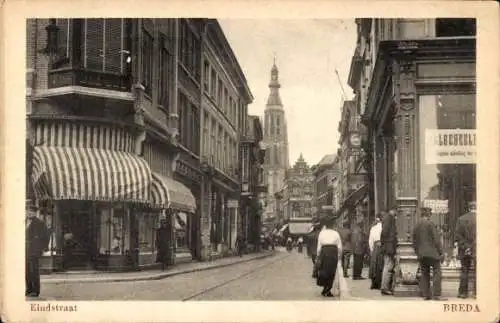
<point x="312" y="242"/>
<point x="37" y="240"/>
<point x="427" y="245"/>
<point x="465" y="233"/>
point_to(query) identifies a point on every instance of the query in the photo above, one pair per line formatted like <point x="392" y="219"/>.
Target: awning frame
<point x="167" y="193"/>
<point x="92" y="174"/>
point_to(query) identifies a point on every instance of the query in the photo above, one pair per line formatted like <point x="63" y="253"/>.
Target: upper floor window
<point x="190" y="53"/>
<point x="165" y="68"/>
<point x="104" y="45"/>
<point x="206" y="76"/>
<point x="278" y="125"/>
<point x="451" y="27"/>
<point x="213" y="84"/>
<point x="64" y="35"/>
<point x="147" y="55"/>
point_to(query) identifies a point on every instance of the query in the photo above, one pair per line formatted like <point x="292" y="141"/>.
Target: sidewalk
<point x="153" y="274"/>
<point x="360" y="290"/>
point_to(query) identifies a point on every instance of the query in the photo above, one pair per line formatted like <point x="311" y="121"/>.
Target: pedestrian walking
<point x="376" y="256"/>
<point x="358" y="244"/>
<point x="345" y="235"/>
<point x="329" y="251"/>
<point x="162" y="243"/>
<point x="466" y="237"/>
<point x="37" y="240"/>
<point x="388" y="240"/>
<point x="312" y="245"/>
<point x="427" y="246"/>
<point x="240" y="244"/>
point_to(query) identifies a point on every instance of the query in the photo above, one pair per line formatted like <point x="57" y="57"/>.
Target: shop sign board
<point x="232" y="204"/>
<point x="450" y="146"/>
<point x="437" y="206"/>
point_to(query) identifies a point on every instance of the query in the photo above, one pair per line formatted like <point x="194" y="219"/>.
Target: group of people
<point x="331" y="248"/>
<point x="429" y="250"/>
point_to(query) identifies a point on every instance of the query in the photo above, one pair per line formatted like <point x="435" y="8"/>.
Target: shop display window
<point x="181" y="220"/>
<point x="148" y="223"/>
<point x="447" y="158"/>
<point x="114" y="230"/>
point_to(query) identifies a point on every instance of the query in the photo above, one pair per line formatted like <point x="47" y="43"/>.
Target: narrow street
<point x="285" y="276"/>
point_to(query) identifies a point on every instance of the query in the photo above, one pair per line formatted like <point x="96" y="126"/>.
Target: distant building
<point x="253" y="188"/>
<point x="276" y="143"/>
<point x="353" y="179"/>
<point x="298" y="194"/>
<point x="324" y="173"/>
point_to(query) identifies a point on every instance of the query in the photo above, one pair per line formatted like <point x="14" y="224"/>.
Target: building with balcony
<point x="253" y="188"/>
<point x="324" y="173"/>
<point x="420" y="111"/>
<point x="114" y="109"/>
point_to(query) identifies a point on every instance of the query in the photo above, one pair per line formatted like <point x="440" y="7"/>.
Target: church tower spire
<point x="276" y="142"/>
<point x="274" y="100"/>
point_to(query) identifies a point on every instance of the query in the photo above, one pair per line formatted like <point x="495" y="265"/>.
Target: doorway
<point x="79" y="235"/>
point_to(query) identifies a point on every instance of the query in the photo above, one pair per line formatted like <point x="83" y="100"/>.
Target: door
<point x="79" y="237"/>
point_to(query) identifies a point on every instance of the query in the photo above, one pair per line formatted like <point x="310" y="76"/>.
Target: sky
<point x="307" y="53"/>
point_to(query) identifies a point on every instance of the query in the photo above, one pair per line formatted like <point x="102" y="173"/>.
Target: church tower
<point x="276" y="142"/>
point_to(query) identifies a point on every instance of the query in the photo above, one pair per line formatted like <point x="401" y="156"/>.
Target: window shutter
<point x="114" y="43"/>
<point x="63" y="37"/>
<point x="94" y="42"/>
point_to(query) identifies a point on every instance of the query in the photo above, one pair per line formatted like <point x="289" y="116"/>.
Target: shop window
<point x="148" y="223"/>
<point x="447" y="158"/>
<point x="451" y="27"/>
<point x="114" y="230"/>
<point x="181" y="232"/>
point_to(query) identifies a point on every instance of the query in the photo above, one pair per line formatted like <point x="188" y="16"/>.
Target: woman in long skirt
<point x="329" y="250"/>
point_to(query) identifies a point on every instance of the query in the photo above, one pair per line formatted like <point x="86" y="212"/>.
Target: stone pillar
<point x="206" y="201"/>
<point x="406" y="164"/>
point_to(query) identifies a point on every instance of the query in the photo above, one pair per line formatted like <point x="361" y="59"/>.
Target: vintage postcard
<point x="286" y="161"/>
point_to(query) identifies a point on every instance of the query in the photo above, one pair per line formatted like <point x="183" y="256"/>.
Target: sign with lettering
<point x="437" y="206"/>
<point x="450" y="146"/>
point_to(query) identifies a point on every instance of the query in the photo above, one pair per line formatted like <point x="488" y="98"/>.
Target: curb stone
<point x="154" y="276"/>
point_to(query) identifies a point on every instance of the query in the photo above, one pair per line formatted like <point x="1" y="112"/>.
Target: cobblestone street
<point x="283" y="276"/>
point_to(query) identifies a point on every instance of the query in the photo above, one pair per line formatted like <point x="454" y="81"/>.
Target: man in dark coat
<point x="358" y="244"/>
<point x="163" y="236"/>
<point x="388" y="240"/>
<point x="427" y="246"/>
<point x="466" y="237"/>
<point x="240" y="244"/>
<point x="345" y="235"/>
<point x="312" y="243"/>
<point x="37" y="240"/>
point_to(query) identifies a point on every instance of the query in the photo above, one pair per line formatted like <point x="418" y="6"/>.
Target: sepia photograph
<point x="248" y="161"/>
<point x="197" y="159"/>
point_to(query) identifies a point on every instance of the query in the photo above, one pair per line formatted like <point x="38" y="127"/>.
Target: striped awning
<point x="169" y="193"/>
<point x="65" y="173"/>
